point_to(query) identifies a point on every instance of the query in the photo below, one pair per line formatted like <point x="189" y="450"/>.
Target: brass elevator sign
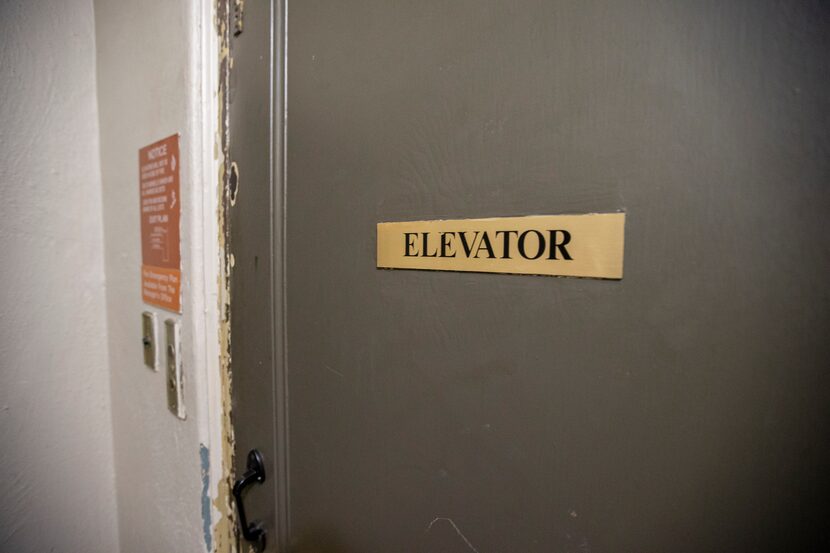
<point x="558" y="245"/>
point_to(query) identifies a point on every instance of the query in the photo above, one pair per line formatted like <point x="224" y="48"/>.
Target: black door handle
<point x="252" y="532"/>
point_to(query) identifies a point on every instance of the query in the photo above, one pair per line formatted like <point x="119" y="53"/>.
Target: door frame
<point x="254" y="230"/>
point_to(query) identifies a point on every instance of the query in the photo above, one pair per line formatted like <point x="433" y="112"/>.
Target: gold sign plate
<point x="588" y="245"/>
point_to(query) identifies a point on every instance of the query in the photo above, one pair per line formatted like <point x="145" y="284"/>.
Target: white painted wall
<point x="91" y="460"/>
<point x="156" y="76"/>
<point x="56" y="462"/>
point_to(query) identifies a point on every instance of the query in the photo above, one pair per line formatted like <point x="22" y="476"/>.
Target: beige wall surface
<point x="91" y="459"/>
<point x="56" y="460"/>
<point x="153" y="81"/>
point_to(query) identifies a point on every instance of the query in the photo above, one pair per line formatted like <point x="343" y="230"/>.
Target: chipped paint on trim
<point x="204" y="460"/>
<point x="233" y="183"/>
<point x="224" y="532"/>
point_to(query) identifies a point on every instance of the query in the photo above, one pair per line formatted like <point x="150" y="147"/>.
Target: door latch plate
<point x="148" y="338"/>
<point x="175" y="384"/>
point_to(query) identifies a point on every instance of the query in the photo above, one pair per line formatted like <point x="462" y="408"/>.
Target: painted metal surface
<point x="148" y="339"/>
<point x="173" y="362"/>
<point x="251" y="206"/>
<point x="680" y="409"/>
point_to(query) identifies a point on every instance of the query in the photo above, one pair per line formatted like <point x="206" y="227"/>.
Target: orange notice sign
<point x="161" y="258"/>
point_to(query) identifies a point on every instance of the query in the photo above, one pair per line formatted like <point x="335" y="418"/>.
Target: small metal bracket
<point x="148" y="338"/>
<point x="175" y="379"/>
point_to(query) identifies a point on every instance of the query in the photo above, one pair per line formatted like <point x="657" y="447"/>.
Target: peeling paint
<point x="238" y="17"/>
<point x="224" y="532"/>
<point x="204" y="460"/>
<point x="233" y="183"/>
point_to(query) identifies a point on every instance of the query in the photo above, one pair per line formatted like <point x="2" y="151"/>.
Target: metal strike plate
<point x="148" y="338"/>
<point x="174" y="369"/>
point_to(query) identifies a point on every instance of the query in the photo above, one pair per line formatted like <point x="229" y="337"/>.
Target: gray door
<point x="681" y="409"/>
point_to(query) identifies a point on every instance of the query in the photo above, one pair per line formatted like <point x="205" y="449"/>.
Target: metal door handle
<point x="252" y="532"/>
